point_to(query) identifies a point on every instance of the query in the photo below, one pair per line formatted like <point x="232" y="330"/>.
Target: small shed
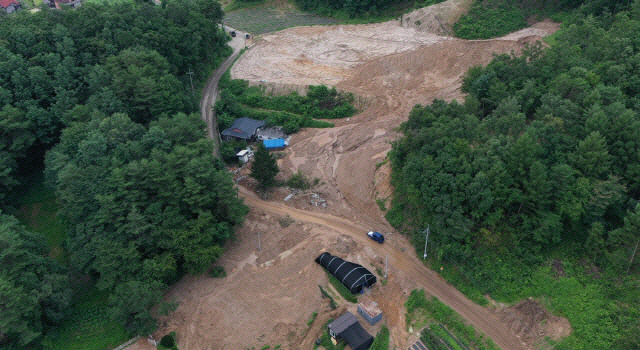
<point x="275" y="144"/>
<point x="348" y="328"/>
<point x="369" y="310"/>
<point x="244" y="155"/>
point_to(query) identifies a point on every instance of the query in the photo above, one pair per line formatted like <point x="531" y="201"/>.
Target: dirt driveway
<point x="269" y="294"/>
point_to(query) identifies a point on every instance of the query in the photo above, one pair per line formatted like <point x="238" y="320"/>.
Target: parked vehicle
<point x="233" y="33"/>
<point x="376" y="236"/>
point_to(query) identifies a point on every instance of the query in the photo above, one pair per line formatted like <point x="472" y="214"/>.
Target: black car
<point x="233" y="33"/>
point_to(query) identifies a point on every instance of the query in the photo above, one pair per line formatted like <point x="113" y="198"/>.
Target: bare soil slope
<point x="269" y="295"/>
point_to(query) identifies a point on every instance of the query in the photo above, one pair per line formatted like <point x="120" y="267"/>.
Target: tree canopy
<point x="540" y="162"/>
<point x="103" y="89"/>
<point x="264" y="168"/>
<point x="130" y="58"/>
<point x="142" y="204"/>
<point x="34" y="289"/>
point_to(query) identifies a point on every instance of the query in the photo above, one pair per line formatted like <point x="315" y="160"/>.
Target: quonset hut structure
<point x="353" y="276"/>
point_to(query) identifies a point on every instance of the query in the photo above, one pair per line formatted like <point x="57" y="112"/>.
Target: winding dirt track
<point x="433" y="284"/>
<point x="210" y="91"/>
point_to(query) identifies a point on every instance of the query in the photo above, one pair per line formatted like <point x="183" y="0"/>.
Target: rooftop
<point x="370" y="307"/>
<point x="343" y="322"/>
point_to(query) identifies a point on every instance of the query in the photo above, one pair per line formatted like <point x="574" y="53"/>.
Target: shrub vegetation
<point x="292" y="111"/>
<point x="493" y="18"/>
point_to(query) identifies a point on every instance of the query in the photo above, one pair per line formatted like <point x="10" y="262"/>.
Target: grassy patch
<point x="260" y="20"/>
<point x="344" y="292"/>
<point x="493" y="18"/>
<point x="300" y="181"/>
<point x="37" y="211"/>
<point x="88" y="327"/>
<point x="382" y="203"/>
<point x="599" y="309"/>
<point x="325" y="294"/>
<point x="218" y="272"/>
<point x="285" y="221"/>
<point x="381" y="342"/>
<point x="489" y="19"/>
<point x="421" y="311"/>
<point x="313" y="318"/>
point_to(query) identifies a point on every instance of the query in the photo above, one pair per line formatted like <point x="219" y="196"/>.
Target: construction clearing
<point x="268" y="294"/>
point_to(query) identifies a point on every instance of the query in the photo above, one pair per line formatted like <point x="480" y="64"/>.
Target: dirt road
<point x="210" y="91"/>
<point x="405" y="261"/>
<point x="270" y="293"/>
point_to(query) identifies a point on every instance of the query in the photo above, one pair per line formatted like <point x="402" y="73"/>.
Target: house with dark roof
<point x="242" y="129"/>
<point x="10" y="6"/>
<point x="347" y="328"/>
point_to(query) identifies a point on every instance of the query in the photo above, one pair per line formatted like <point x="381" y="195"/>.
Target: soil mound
<point x="437" y="19"/>
<point x="532" y="322"/>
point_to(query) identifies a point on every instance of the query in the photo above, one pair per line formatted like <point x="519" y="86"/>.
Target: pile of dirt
<point x="533" y="323"/>
<point x="439" y="18"/>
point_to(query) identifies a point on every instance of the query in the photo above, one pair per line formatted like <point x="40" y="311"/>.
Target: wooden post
<point x="259" y="244"/>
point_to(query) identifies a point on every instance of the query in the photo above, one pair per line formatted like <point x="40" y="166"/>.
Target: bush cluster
<point x="292" y="112"/>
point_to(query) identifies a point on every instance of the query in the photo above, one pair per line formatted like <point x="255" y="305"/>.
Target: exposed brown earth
<point x="270" y="294"/>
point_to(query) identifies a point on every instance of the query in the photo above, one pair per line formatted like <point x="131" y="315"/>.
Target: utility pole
<point x="190" y="74"/>
<point x="425" y="241"/>
<point x="259" y="244"/>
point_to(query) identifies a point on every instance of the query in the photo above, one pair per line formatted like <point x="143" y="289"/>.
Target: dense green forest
<point x="102" y="91"/>
<point x="362" y="8"/>
<point x="531" y="186"/>
<point x="493" y="18"/>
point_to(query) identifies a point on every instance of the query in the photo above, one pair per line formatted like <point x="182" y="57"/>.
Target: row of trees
<point x="359" y="8"/>
<point x="141" y="196"/>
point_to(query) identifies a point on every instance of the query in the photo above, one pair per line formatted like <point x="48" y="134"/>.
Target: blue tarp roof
<point x="275" y="143"/>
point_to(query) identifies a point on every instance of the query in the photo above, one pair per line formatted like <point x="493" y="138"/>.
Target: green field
<point x="37" y="211"/>
<point x="88" y="327"/>
<point x="422" y="311"/>
<point x="259" y="20"/>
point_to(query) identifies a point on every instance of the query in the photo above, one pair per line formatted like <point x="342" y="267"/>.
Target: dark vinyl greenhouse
<point x="351" y="275"/>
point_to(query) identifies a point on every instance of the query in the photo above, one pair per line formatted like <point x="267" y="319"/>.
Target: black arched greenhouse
<point x="351" y="275"/>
